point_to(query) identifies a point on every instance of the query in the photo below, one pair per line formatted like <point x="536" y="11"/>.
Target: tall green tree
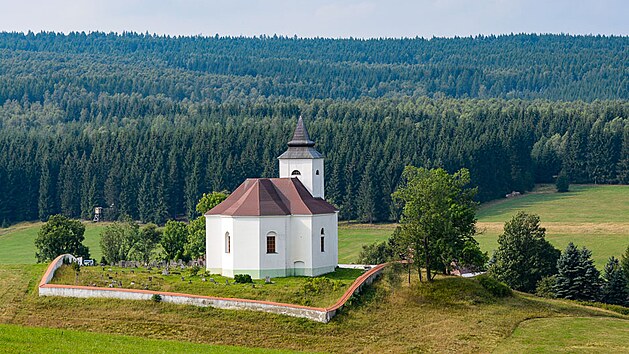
<point x="174" y="239"/>
<point x="577" y="278"/>
<point x="524" y="256"/>
<point x="438" y="218"/>
<point x="60" y="235"/>
<point x="46" y="192"/>
<point x="146" y="243"/>
<point x="615" y="289"/>
<point x="118" y="239"/>
<point x="195" y="242"/>
<point x="624" y="262"/>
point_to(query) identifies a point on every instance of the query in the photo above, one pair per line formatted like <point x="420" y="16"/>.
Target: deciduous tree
<point x="174" y="239"/>
<point x="438" y="218"/>
<point x="60" y="235"/>
<point x="118" y="239"/>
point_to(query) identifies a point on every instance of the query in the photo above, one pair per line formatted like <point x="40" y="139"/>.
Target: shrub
<point x="242" y="278"/>
<point x="320" y="285"/>
<point x="546" y="287"/>
<point x="195" y="269"/>
<point x="76" y="267"/>
<point x="375" y="253"/>
<point x="392" y="273"/>
<point x="103" y="260"/>
<point x="156" y="298"/>
<point x="494" y="287"/>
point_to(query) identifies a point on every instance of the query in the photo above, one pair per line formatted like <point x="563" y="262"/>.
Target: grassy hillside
<point x="593" y="216"/>
<point x="451" y="315"/>
<point x="17" y="243"/>
<point x="582" y="204"/>
<point x="352" y="237"/>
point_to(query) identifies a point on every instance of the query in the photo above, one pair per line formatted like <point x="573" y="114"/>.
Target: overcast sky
<point x="323" y="18"/>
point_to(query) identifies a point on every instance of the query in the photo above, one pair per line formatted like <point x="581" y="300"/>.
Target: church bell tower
<point x="303" y="161"/>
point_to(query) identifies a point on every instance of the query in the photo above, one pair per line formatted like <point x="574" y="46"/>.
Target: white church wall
<point x="326" y="261"/>
<point x="308" y="173"/>
<point x="300" y="246"/>
<point x="213" y="252"/>
<point x="274" y="264"/>
<point x="244" y="253"/>
<point x="227" y="226"/>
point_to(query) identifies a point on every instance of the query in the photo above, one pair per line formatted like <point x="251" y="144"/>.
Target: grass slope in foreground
<point x="18" y="339"/>
<point x="569" y="335"/>
<point x="451" y="315"/>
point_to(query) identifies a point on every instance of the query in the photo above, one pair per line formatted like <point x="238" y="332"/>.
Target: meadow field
<point x="596" y="217"/>
<point x="20" y="339"/>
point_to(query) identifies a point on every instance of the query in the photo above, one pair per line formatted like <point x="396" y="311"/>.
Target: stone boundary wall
<point x="313" y="313"/>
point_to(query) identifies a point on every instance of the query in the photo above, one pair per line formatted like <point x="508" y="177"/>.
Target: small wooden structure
<point x="98" y="214"/>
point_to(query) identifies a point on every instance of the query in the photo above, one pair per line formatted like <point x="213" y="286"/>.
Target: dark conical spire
<point x="301" y="137"/>
<point x="300" y="146"/>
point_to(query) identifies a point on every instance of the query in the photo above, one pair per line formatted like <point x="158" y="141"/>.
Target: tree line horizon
<point x="148" y="124"/>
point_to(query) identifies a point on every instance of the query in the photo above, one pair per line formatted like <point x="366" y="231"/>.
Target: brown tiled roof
<point x="272" y="196"/>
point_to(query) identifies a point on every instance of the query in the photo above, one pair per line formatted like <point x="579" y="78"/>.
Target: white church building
<point x="276" y="227"/>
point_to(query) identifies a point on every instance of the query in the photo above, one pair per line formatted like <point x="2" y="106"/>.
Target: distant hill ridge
<point x="556" y="67"/>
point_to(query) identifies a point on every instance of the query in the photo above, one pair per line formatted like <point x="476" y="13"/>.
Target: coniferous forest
<point x="149" y="123"/>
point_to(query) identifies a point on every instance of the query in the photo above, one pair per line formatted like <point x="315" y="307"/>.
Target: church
<point x="276" y="227"/>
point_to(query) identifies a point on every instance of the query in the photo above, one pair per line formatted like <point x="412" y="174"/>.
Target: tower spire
<point x="300" y="136"/>
<point x="301" y="160"/>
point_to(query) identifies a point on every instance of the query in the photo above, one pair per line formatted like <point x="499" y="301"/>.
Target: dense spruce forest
<point x="148" y="123"/>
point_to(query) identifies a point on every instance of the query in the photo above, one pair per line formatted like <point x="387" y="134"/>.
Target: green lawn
<point x="17" y="243"/>
<point x="19" y="339"/>
<point x="287" y="290"/>
<point x="602" y="246"/>
<point x="583" y="204"/>
<point x="569" y="335"/>
<point x="352" y="237"/>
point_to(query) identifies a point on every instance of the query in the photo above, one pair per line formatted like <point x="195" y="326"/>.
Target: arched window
<point x="322" y="240"/>
<point x="270" y="242"/>
<point x="228" y="243"/>
<point x="295" y="173"/>
<point x="317" y="172"/>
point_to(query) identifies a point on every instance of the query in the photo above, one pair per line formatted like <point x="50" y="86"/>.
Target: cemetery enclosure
<point x="313" y="313"/>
